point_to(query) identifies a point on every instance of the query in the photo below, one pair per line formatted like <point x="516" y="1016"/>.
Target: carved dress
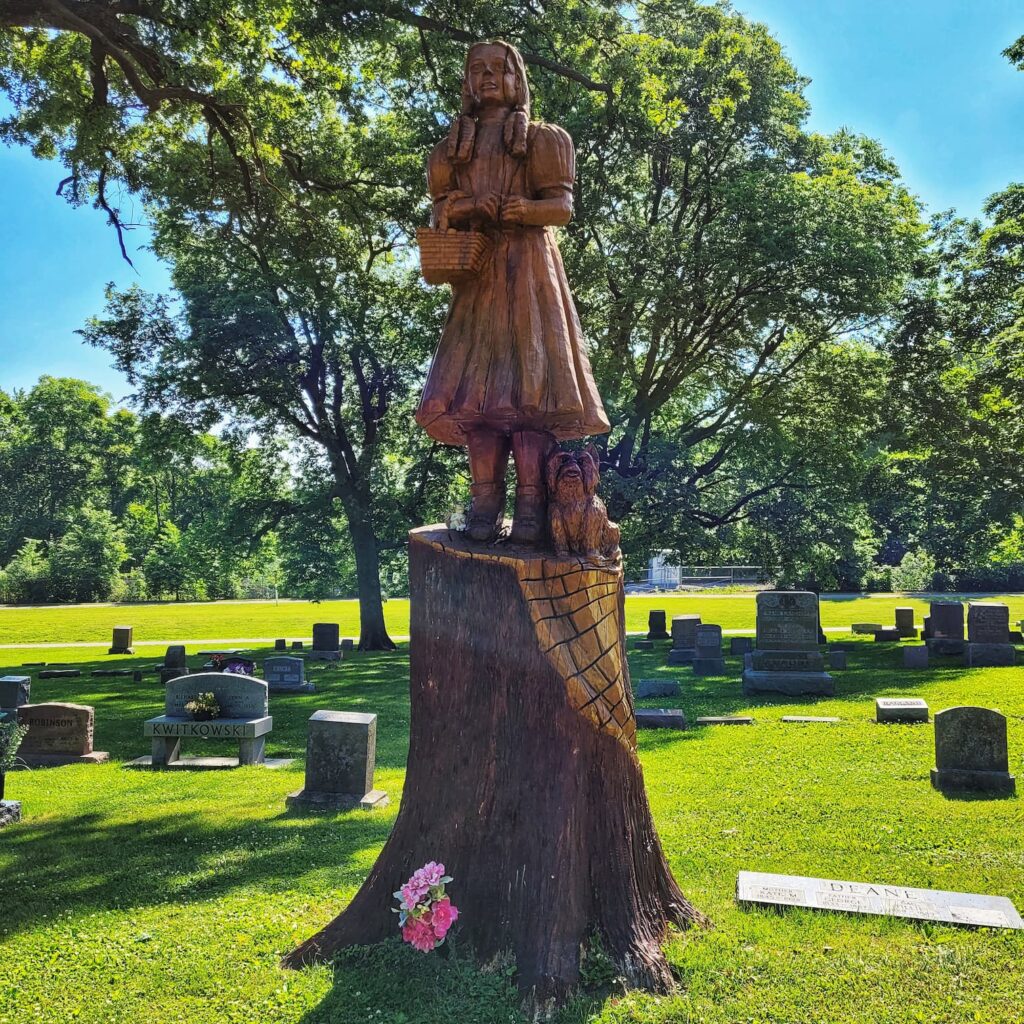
<point x="511" y="355"/>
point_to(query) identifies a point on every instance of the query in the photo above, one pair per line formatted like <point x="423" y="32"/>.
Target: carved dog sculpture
<point x="577" y="517"/>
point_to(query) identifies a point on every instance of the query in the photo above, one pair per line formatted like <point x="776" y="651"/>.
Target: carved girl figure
<point x="510" y="369"/>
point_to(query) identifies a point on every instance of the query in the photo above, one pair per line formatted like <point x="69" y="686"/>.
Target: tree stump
<point x="522" y="774"/>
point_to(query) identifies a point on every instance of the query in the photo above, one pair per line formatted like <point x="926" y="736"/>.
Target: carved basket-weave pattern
<point x="450" y="256"/>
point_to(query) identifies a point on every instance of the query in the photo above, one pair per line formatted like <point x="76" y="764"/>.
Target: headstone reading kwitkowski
<point x="656" y="627"/>
<point x="707" y="658"/>
<point x="286" y="675"/>
<point x="644" y="688"/>
<point x="14" y="691"/>
<point x="326" y="642"/>
<point x="786" y="658"/>
<point x="340" y="752"/>
<point x="947" y="628"/>
<point x="684" y="639"/>
<point x="900" y="709"/>
<point x="905" y="623"/>
<point x="971" y="751"/>
<point x="122" y="641"/>
<point x="58" y="734"/>
<point x="988" y="635"/>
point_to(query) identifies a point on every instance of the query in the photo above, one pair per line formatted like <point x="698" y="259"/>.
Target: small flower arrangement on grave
<point x="203" y="706"/>
<point x="425" y="912"/>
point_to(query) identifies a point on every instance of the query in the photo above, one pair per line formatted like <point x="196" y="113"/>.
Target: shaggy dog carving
<point x="576" y="515"/>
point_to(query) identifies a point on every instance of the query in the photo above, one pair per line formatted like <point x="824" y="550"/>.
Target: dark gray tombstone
<point x="280" y="645"/>
<point x="121" y="642"/>
<point x="684" y="639"/>
<point x="660" y="718"/>
<point x="988" y="635"/>
<point x="707" y="658"/>
<point x="887" y="635"/>
<point x="326" y="642"/>
<point x="297" y="645"/>
<point x="741" y="644"/>
<point x="787" y="621"/>
<point x="786" y="658"/>
<point x="915" y="656"/>
<point x="947" y="627"/>
<point x="900" y="709"/>
<point x="836" y="660"/>
<point x="990" y="655"/>
<point x="926" y="628"/>
<point x="646" y="688"/>
<point x="657" y="628"/>
<point x="643" y="645"/>
<point x="971" y="751"/>
<point x="14" y="691"/>
<point x="905" y="623"/>
<point x="286" y="675"/>
<point x="340" y="753"/>
<point x="348" y="643"/>
<point x="58" y="734"/>
<point x="175" y="663"/>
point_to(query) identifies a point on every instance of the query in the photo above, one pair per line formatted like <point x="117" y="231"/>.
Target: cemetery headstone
<point x="645" y="688"/>
<point x="836" y="660"/>
<point x="348" y="643"/>
<point x="175" y="663"/>
<point x="900" y="709"/>
<point x="926" y="628"/>
<point x="286" y="675"/>
<point x="707" y="658"/>
<point x="121" y="642"/>
<point x="890" y="900"/>
<point x="244" y="717"/>
<point x="725" y="720"/>
<point x="915" y="656"/>
<point x="684" y="639"/>
<point x="660" y="718"/>
<point x="297" y="645"/>
<point x="905" y="623"/>
<point x="887" y="635"/>
<point x="280" y="644"/>
<point x="60" y="673"/>
<point x="657" y="628"/>
<point x="58" y="734"/>
<point x="865" y="628"/>
<point x="809" y="719"/>
<point x="14" y="691"/>
<point x="786" y="658"/>
<point x="988" y="635"/>
<point x="1016" y="637"/>
<point x="10" y="812"/>
<point x="326" y="642"/>
<point x="947" y="627"/>
<point x="971" y="751"/>
<point x="741" y="644"/>
<point x="340" y="753"/>
<point x="643" y="645"/>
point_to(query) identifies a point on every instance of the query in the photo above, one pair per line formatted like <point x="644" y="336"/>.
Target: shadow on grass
<point x="89" y="863"/>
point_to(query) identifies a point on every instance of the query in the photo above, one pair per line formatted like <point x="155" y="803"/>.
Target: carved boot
<point x="530" y="448"/>
<point x="488" y="460"/>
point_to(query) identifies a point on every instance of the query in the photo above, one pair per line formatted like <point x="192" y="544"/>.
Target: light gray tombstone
<point x="645" y="688"/>
<point x="286" y="675"/>
<point x="915" y="656"/>
<point x="900" y="709"/>
<point x="684" y="639"/>
<point x="946" y="625"/>
<point x="766" y="889"/>
<point x="659" y="718"/>
<point x="866" y="628"/>
<point x="10" y="812"/>
<point x="326" y="642"/>
<point x="786" y="658"/>
<point x="836" y="660"/>
<point x="971" y="751"/>
<point x="341" y="749"/>
<point x="725" y="720"/>
<point x="741" y="644"/>
<point x="58" y="734"/>
<point x="707" y="658"/>
<point x="905" y="623"/>
<point x="121" y="642"/>
<point x="14" y="691"/>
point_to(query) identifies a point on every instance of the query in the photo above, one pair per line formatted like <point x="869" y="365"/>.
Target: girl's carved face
<point x="492" y="80"/>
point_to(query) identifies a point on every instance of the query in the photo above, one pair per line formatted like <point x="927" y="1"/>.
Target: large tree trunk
<point x="522" y="775"/>
<point x="373" y="634"/>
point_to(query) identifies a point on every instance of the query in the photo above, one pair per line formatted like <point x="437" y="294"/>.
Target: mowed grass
<point x="227" y="620"/>
<point x="132" y="897"/>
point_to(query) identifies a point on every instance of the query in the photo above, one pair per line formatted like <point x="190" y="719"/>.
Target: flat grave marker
<point x="900" y="709"/>
<point x="646" y="688"/>
<point x="725" y="720"/>
<point x="659" y="718"/>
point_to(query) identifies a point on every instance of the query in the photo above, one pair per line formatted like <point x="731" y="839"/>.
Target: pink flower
<point x="419" y="934"/>
<point x="430" y="874"/>
<point x="442" y="916"/>
<point x="413" y="891"/>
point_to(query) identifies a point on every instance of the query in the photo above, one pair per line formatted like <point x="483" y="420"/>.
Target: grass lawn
<point x="167" y="898"/>
<point x="226" y="620"/>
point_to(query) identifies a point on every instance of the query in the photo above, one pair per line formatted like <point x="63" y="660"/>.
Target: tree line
<point x="801" y="370"/>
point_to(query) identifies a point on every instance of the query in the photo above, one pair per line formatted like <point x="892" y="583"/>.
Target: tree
<point x="166" y="566"/>
<point x="86" y="561"/>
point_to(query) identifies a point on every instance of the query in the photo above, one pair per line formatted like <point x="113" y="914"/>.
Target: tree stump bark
<point x="522" y="775"/>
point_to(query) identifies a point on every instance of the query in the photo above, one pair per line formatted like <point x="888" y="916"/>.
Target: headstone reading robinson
<point x="58" y="734"/>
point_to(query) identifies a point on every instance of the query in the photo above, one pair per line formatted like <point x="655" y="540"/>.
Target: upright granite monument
<point x="988" y="635"/>
<point x="121" y="642"/>
<point x="326" y="642"/>
<point x="538" y="809"/>
<point x="971" y="751"/>
<point x="684" y="639"/>
<point x="946" y="628"/>
<point x="786" y="658"/>
<point x="58" y="734"/>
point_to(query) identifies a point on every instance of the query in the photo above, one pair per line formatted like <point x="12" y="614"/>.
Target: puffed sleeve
<point x="440" y="174"/>
<point x="551" y="159"/>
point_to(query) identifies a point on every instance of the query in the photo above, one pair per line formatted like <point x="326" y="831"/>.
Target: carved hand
<point x="463" y="207"/>
<point x="514" y="210"/>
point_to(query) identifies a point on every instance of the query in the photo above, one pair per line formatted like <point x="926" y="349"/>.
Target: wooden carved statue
<point x="577" y="516"/>
<point x="511" y="370"/>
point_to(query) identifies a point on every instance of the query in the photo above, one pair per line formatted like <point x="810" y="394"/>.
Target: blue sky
<point x="926" y="77"/>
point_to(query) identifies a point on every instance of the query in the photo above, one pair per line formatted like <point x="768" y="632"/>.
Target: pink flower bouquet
<point x="425" y="913"/>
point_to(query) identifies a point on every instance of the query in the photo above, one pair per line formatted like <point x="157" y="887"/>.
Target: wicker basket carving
<point x="448" y="256"/>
